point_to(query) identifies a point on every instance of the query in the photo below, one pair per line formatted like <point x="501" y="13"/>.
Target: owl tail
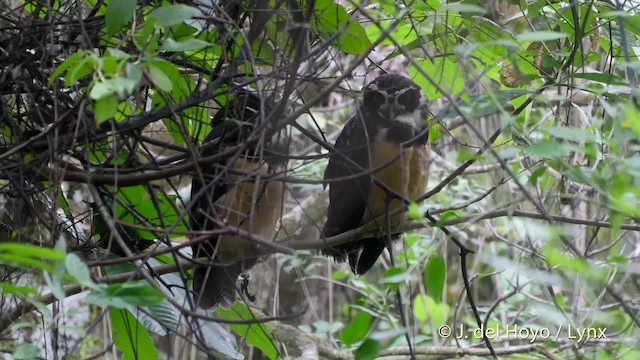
<point x="362" y="261"/>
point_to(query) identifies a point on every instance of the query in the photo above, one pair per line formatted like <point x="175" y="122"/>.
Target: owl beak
<point x="386" y="110"/>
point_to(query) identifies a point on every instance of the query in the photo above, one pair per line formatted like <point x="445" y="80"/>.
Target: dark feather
<point x="232" y="125"/>
<point x="393" y="104"/>
<point x="348" y="198"/>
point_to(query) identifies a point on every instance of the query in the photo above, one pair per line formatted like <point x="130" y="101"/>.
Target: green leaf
<point x="463" y="8"/>
<point x="329" y="18"/>
<point x="72" y="60"/>
<point x="118" y="54"/>
<point x="79" y="70"/>
<point x="369" y="349"/>
<point x="256" y="334"/>
<point x="187" y="45"/>
<point x="571" y="134"/>
<point x="24" y="262"/>
<point x="134" y="72"/>
<point x="18" y="291"/>
<point x="602" y="78"/>
<point x="394" y="277"/>
<point x="160" y="79"/>
<point x="482" y="105"/>
<point x="105" y="108"/>
<point x="131" y="337"/>
<point x="541" y="36"/>
<point x="124" y="295"/>
<point x="119" y="13"/>
<point x="173" y="14"/>
<point x="547" y="149"/>
<point x="420" y="309"/>
<point x="425" y="307"/>
<point x="220" y="340"/>
<point x="26" y="351"/>
<point x="414" y="212"/>
<point x="434" y="276"/>
<point x="442" y="71"/>
<point x="577" y="265"/>
<point x="79" y="270"/>
<point x="100" y="89"/>
<point x="435" y="133"/>
<point x="356" y="330"/>
<point x="27" y="250"/>
<point x="135" y="206"/>
<point x="158" y="318"/>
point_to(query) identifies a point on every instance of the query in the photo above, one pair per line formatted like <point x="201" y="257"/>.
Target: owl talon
<point x="244" y="287"/>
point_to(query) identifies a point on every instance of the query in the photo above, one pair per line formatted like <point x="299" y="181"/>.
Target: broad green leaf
<point x="119" y="13"/>
<point x="187" y="45"/>
<point x="571" y="134"/>
<point x="616" y="35"/>
<point x="420" y="309"/>
<point x="173" y="14"/>
<point x="442" y="72"/>
<point x="356" y="330"/>
<point x="134" y="72"/>
<point x="256" y="334"/>
<point x="122" y="86"/>
<point x="394" y="277"/>
<point x="100" y="89"/>
<point x="72" y="60"/>
<point x="414" y="212"/>
<point x="631" y="119"/>
<point x="566" y="262"/>
<point x="324" y="327"/>
<point x="369" y="349"/>
<point x="547" y="149"/>
<point x="27" y="250"/>
<point x="434" y="132"/>
<point x="463" y="8"/>
<point x="143" y="37"/>
<point x="158" y="318"/>
<point x="23" y="262"/>
<point x="130" y="337"/>
<point x="25" y="352"/>
<point x="329" y="18"/>
<point x="434" y="276"/>
<point x="124" y="295"/>
<point x="55" y="283"/>
<point x="118" y="54"/>
<point x="425" y="307"/>
<point x="339" y="275"/>
<point x="541" y="36"/>
<point x="482" y="105"/>
<point x="18" y="291"/>
<point x="105" y="108"/>
<point x="220" y="340"/>
<point x="160" y="79"/>
<point x="81" y="69"/>
<point x="135" y="206"/>
<point x="403" y="34"/>
<point x="604" y="78"/>
<point x="428" y="5"/>
<point x="79" y="270"/>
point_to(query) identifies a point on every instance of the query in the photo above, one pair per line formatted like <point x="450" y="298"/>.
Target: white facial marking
<point x="414" y="118"/>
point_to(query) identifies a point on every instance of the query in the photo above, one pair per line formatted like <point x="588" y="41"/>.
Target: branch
<point x="371" y="228"/>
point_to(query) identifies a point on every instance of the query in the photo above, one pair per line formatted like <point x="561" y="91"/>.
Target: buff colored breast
<point x="407" y="174"/>
<point x="253" y="205"/>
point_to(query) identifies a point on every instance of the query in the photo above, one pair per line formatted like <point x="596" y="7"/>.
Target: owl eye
<point x="409" y="99"/>
<point x="378" y="98"/>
